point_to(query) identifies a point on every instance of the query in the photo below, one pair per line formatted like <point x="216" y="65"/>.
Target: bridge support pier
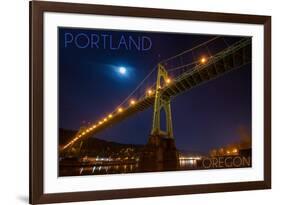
<point x="159" y="154"/>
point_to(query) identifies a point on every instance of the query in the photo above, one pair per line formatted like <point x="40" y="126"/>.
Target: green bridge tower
<point x="160" y="152"/>
<point x="162" y="103"/>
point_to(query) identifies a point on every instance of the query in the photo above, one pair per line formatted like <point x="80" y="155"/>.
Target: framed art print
<point x="135" y="102"/>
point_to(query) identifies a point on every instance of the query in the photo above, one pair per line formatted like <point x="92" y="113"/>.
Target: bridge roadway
<point x="231" y="58"/>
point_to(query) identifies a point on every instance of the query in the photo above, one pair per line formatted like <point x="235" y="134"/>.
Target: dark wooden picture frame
<point x="37" y="9"/>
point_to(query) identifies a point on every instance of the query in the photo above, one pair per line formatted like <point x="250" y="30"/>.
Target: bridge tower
<point x="160" y="152"/>
<point x="162" y="103"/>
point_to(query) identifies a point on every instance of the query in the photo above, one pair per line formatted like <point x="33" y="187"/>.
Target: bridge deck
<point x="228" y="60"/>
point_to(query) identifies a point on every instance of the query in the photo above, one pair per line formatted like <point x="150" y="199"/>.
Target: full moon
<point x="122" y="70"/>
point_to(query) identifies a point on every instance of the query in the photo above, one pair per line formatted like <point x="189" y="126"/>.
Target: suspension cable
<point x="139" y="85"/>
<point x="191" y="49"/>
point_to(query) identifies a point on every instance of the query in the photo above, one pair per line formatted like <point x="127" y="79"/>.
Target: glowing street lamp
<point x="168" y="80"/>
<point x="132" y="102"/>
<point x="120" y="110"/>
<point x="203" y="60"/>
<point x="149" y="92"/>
<point x="110" y="116"/>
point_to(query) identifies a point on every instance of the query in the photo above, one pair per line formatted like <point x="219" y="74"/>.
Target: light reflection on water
<point x="117" y="169"/>
<point x="188" y="163"/>
<point x="95" y="170"/>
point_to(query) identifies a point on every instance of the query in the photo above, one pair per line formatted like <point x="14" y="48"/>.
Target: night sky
<point x="90" y="87"/>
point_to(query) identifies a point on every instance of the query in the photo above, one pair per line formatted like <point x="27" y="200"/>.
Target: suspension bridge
<point x="174" y="76"/>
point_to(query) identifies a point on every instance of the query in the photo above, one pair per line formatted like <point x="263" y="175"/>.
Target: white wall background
<point x="14" y="100"/>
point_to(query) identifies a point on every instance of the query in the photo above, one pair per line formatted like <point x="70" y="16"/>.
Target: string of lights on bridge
<point x="132" y="102"/>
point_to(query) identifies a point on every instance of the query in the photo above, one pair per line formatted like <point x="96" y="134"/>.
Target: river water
<point x="116" y="169"/>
